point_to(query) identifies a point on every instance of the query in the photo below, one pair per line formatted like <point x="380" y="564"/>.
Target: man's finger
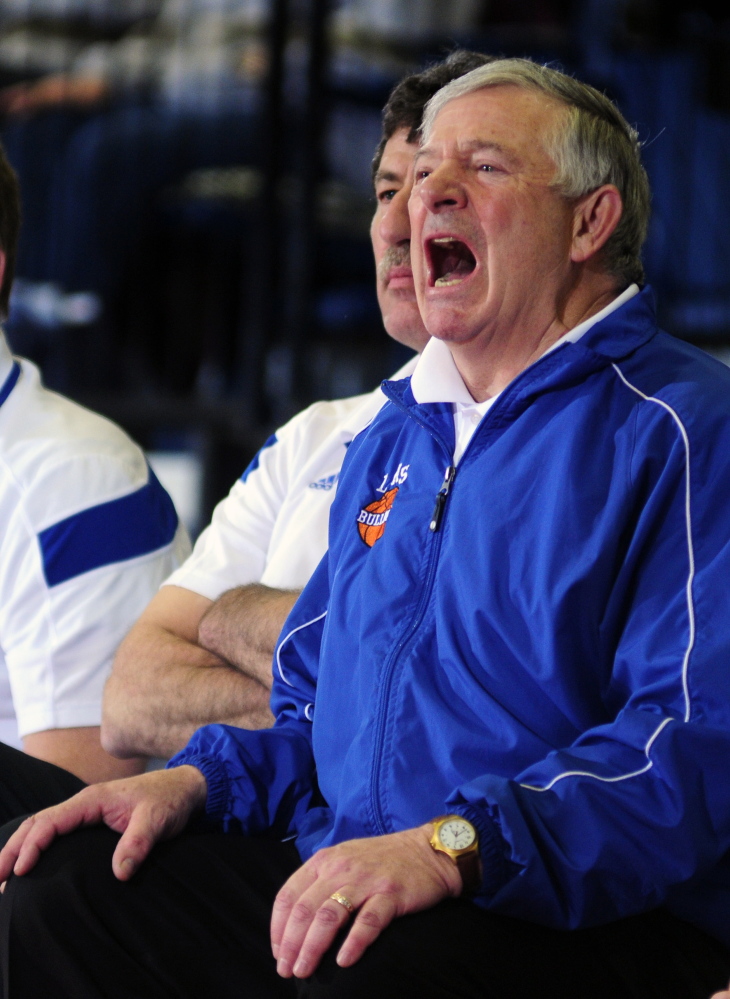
<point x="9" y="854"/>
<point x="327" y="922"/>
<point x="286" y="899"/>
<point x="38" y="835"/>
<point x="377" y="913"/>
<point x="138" y="839"/>
<point x="38" y="832"/>
<point x="312" y="910"/>
<point x="35" y="835"/>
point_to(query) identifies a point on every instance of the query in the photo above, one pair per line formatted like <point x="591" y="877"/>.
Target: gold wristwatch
<point x="457" y="838"/>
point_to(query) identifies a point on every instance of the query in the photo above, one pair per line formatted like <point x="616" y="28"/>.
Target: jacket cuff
<point x="496" y="870"/>
<point x="216" y="777"/>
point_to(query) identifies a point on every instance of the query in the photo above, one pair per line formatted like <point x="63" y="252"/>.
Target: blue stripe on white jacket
<point x="552" y="662"/>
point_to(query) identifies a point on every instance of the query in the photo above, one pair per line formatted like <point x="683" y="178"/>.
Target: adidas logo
<point x="326" y="483"/>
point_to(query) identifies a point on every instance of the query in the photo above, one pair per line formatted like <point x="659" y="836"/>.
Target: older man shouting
<point x="502" y="711"/>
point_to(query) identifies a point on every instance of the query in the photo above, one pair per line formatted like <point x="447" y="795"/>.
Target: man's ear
<point x="595" y="219"/>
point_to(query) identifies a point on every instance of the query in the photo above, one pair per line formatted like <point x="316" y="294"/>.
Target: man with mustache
<point x="502" y="708"/>
<point x="202" y="649"/>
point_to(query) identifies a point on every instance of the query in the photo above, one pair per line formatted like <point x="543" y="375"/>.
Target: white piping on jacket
<point x="286" y="638"/>
<point x="606" y="780"/>
<point x="690" y="607"/>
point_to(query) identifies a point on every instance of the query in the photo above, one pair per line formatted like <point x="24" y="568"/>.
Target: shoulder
<point x="60" y="457"/>
<point x="684" y="381"/>
<point x="323" y="419"/>
<point x="319" y="433"/>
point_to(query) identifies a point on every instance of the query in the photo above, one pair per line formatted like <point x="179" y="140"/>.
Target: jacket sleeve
<point x="636" y="810"/>
<point x="264" y="781"/>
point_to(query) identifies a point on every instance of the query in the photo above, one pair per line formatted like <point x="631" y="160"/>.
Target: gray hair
<point x="592" y="145"/>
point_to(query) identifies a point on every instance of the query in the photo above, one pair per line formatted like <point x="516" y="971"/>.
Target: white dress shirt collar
<point x="437" y="379"/>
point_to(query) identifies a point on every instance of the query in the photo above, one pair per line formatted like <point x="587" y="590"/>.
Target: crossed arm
<point x="190" y="661"/>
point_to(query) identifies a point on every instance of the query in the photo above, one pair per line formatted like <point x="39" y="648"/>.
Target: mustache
<point x="394" y="256"/>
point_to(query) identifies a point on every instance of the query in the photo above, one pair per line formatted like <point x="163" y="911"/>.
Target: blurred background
<point x="195" y="174"/>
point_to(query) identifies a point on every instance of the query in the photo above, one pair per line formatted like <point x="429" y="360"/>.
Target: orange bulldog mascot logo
<point x="372" y="519"/>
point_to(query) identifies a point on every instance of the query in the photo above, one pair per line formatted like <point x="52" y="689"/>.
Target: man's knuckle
<point x="302" y="912"/>
<point x="137" y="841"/>
<point x="327" y="916"/>
<point x="372" y="919"/>
<point x="284" y="900"/>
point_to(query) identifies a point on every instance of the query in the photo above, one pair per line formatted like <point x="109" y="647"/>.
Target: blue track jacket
<point x="552" y="661"/>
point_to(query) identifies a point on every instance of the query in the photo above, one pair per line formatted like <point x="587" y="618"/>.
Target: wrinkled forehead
<point x="525" y="102"/>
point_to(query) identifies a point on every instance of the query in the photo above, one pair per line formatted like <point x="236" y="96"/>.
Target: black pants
<point x="194" y="922"/>
<point x="28" y="784"/>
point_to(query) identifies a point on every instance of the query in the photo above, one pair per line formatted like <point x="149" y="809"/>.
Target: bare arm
<point x="164" y="686"/>
<point x="243" y="626"/>
<point x="79" y="750"/>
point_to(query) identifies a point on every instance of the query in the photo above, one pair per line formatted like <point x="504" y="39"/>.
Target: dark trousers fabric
<point x="194" y="921"/>
<point x="28" y="785"/>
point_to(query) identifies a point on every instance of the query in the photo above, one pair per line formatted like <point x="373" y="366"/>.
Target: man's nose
<point x="395" y="223"/>
<point x="442" y="191"/>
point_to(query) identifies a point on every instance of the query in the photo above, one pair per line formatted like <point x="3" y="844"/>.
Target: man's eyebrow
<point x="475" y="146"/>
<point x="388" y="175"/>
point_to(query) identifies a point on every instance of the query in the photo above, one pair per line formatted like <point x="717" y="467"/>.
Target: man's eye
<point x="486" y="167"/>
<point x="387" y="195"/>
<point x="422" y="174"/>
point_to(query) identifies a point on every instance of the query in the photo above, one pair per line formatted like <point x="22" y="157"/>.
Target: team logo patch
<point x="372" y="519"/>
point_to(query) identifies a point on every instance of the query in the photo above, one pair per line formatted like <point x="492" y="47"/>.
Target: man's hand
<point x="383" y="877"/>
<point x="145" y="809"/>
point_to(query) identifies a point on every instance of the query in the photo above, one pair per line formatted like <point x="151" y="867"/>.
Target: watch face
<point x="457" y="834"/>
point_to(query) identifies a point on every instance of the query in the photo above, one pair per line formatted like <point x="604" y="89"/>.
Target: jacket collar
<point x="626" y="329"/>
<point x="608" y="339"/>
<point x="437" y="379"/>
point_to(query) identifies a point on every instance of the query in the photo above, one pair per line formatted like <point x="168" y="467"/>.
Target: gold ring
<point x="343" y="900"/>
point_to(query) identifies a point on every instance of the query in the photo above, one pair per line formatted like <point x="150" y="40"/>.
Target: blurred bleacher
<point x="195" y="258"/>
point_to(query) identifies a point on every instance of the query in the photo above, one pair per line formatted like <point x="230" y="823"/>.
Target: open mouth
<point x="451" y="261"/>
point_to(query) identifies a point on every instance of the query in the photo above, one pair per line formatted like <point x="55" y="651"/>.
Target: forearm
<point x="243" y="626"/>
<point x="79" y="751"/>
<point x="163" y="687"/>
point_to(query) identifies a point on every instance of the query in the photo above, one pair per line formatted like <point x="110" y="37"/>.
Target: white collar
<point x="437" y="379"/>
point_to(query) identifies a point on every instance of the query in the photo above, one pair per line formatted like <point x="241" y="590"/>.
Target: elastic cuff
<point x="216" y="777"/>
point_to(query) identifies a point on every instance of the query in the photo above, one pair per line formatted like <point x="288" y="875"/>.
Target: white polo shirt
<point x="88" y="535"/>
<point x="272" y="527"/>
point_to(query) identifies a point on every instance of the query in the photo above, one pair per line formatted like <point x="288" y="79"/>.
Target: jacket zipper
<point x="441" y="495"/>
<point x="389" y="669"/>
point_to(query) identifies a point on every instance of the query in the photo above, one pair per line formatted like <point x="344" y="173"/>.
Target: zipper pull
<point x="441" y="498"/>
